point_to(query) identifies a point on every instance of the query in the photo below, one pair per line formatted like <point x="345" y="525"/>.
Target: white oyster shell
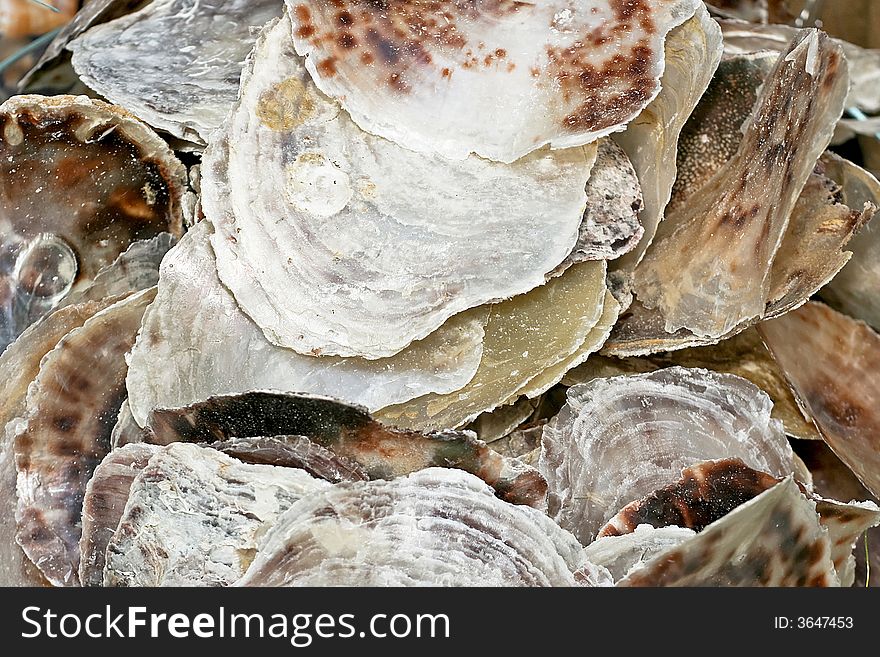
<point x="620" y="439"/>
<point x="493" y="77"/>
<point x="195" y="517"/>
<point x="436" y="527"/>
<point x="346" y="244"/>
<point x="197" y="343"/>
<point x="175" y="63"/>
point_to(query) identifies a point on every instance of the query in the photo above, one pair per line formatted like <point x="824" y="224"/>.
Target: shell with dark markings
<point x="80" y="181"/>
<point x="65" y="433"/>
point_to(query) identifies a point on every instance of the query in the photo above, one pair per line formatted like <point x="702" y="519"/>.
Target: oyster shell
<point x="495" y="77"/>
<point x="20" y="364"/>
<point x="381" y="245"/>
<point x="610" y="227"/>
<point x="80" y="181"/>
<point x="619" y="439"/>
<point x="55" y="57"/>
<point x="349" y="432"/>
<point x="136" y="269"/>
<point x="864" y="64"/>
<point x="714" y="130"/>
<point x="436" y="527"/>
<point x="773" y="540"/>
<point x="186" y="90"/>
<point x="531" y="341"/>
<point x="743" y="355"/>
<point x="197" y="343"/>
<point x="740" y="216"/>
<point x="195" y="517"/>
<point x="103" y="505"/>
<point x="693" y="51"/>
<point x="834" y="480"/>
<point x="833" y="363"/>
<point x="65" y="432"/>
<point x="624" y="554"/>
<point x="854" y="289"/>
<point x="705" y="493"/>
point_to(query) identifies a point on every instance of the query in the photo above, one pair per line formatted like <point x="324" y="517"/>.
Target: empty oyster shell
<point x="195" y="517"/>
<point x="706" y="492"/>
<point x="187" y="90"/>
<point x="65" y="432"/>
<point x="833" y="479"/>
<point x="518" y="75"/>
<point x="610" y="227"/>
<point x="349" y="432"/>
<point x="744" y="355"/>
<point x="436" y="527"/>
<point x="531" y="341"/>
<point x="621" y="555"/>
<point x="773" y="540"/>
<point x="55" y="57"/>
<point x="196" y="343"/>
<point x="381" y="245"/>
<point x="80" y="181"/>
<point x="693" y="51"/>
<point x="833" y="365"/>
<point x="104" y="504"/>
<point x="619" y="439"/>
<point x="854" y="289"/>
<point x="20" y="364"/>
<point x="740" y="215"/>
<point x="714" y="130"/>
<point x="864" y="64"/>
<point x="136" y="269"/>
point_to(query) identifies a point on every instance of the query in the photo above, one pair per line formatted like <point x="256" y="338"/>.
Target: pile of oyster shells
<point x="485" y="292"/>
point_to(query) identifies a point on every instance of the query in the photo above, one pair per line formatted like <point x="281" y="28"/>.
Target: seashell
<point x="518" y="75"/>
<point x="835" y="480"/>
<point x="773" y="540"/>
<point x="705" y="493"/>
<point x="832" y="363"/>
<point x="20" y="364"/>
<point x="610" y="227"/>
<point x="714" y="130"/>
<point x="349" y="432"/>
<point x="619" y="439"/>
<point x="853" y="290"/>
<point x="294" y="452"/>
<point x="720" y="286"/>
<point x="864" y="63"/>
<point x="24" y="18"/>
<point x="371" y="264"/>
<point x="531" y="341"/>
<point x="195" y="517"/>
<point x="80" y="181"/>
<point x="436" y="527"/>
<point x="65" y="432"/>
<point x="104" y="503"/>
<point x="136" y="269"/>
<point x="188" y="90"/>
<point x="54" y="57"/>
<point x="693" y="51"/>
<point x="197" y="343"/>
<point x="627" y="553"/>
<point x="743" y="355"/>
